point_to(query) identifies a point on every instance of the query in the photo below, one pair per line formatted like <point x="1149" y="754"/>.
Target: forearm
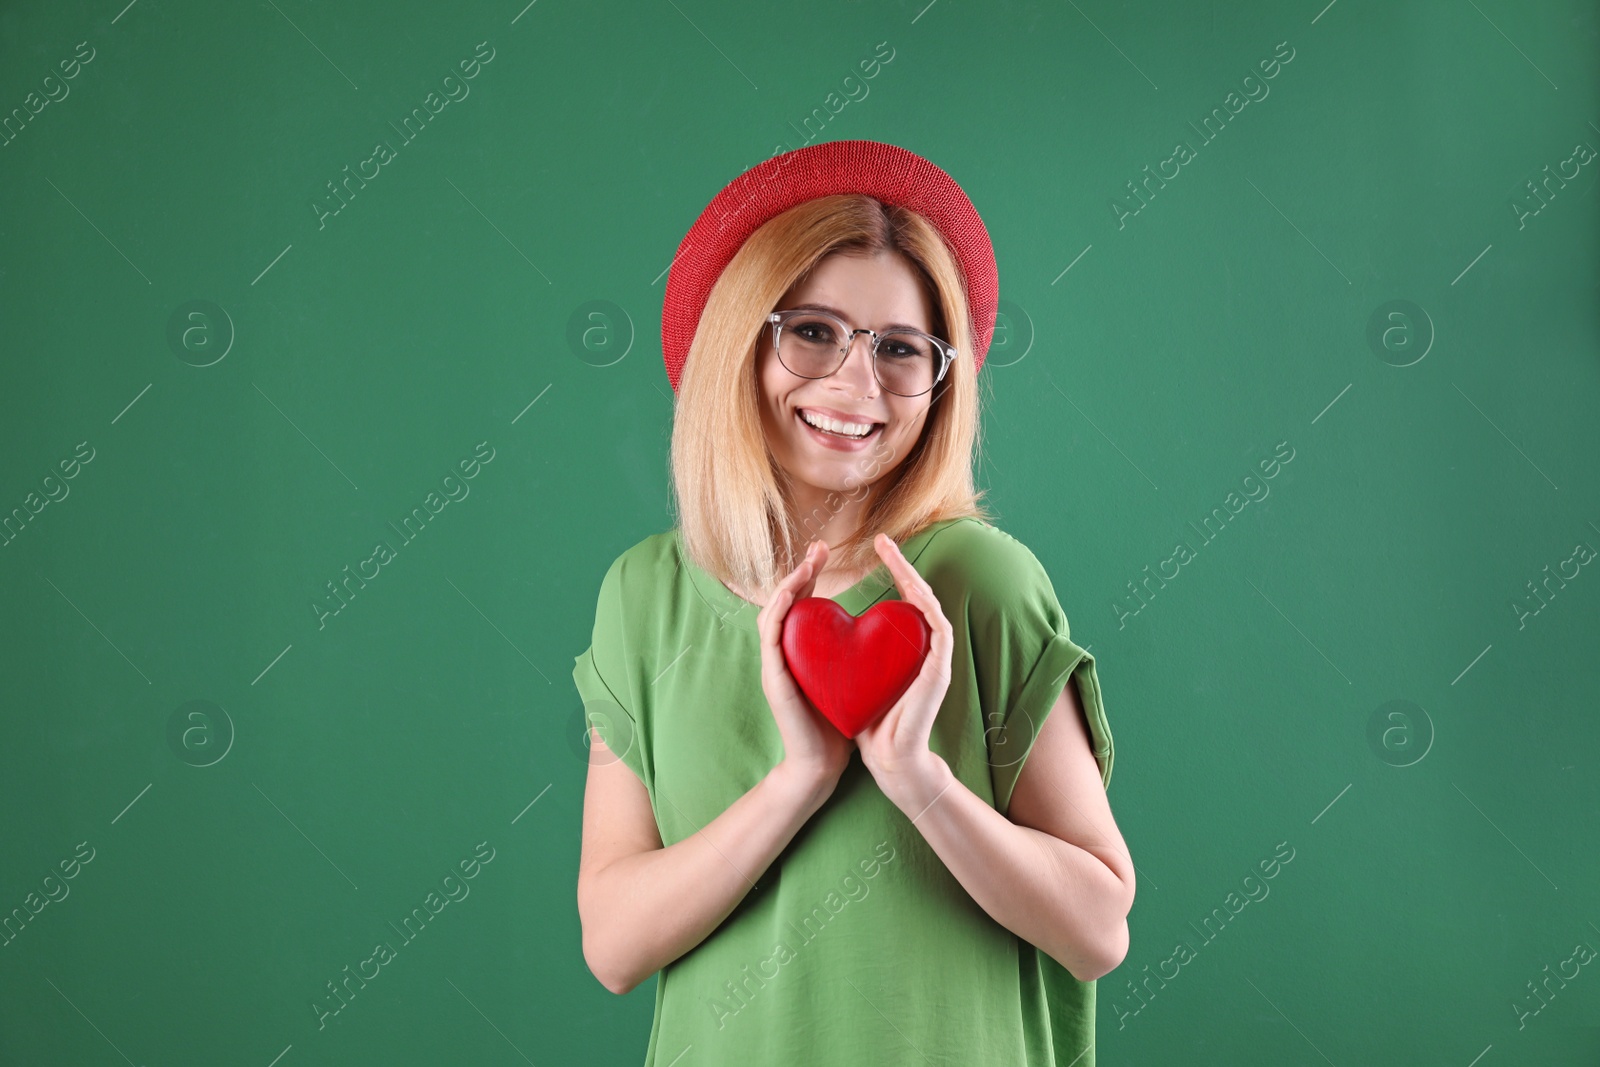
<point x="1049" y="892"/>
<point x="647" y="909"/>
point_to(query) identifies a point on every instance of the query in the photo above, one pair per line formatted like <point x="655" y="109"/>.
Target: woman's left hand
<point x="895" y="748"/>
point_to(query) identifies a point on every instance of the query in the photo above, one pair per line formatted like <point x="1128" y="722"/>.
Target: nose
<point x="862" y="379"/>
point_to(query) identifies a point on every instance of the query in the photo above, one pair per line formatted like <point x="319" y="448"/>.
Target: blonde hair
<point x="731" y="496"/>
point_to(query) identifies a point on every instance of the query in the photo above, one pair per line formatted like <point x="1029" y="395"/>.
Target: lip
<point x="838" y="444"/>
<point x="835" y="413"/>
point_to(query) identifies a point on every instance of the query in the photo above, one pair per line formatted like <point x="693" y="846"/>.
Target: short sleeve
<point x="601" y="676"/>
<point x="1024" y="656"/>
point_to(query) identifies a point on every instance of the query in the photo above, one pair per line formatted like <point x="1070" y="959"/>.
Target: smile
<point x="837" y="434"/>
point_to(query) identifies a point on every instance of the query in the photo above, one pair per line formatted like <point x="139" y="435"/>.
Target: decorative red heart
<point x="853" y="668"/>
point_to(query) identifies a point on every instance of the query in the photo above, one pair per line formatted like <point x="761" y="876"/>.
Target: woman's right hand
<point x="812" y="746"/>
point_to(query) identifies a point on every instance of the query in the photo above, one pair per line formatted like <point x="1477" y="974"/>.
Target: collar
<point x="741" y="613"/>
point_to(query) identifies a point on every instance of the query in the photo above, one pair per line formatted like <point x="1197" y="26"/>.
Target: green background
<point x="265" y="388"/>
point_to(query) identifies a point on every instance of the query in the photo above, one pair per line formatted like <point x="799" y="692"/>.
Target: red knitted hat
<point x="884" y="171"/>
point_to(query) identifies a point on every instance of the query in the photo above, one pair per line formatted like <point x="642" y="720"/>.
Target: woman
<point x="946" y="886"/>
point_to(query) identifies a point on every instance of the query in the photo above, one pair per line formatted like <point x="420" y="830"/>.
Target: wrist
<point x="914" y="785"/>
<point x="806" y="784"/>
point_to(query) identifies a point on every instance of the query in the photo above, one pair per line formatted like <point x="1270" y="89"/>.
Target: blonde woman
<point x="946" y="886"/>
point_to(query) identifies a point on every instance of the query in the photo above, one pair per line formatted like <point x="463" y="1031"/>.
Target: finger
<point x="937" y="664"/>
<point x="913" y="588"/>
<point x="817" y="556"/>
<point x="798" y="581"/>
<point x="903" y="573"/>
<point x="932" y="682"/>
<point x="786" y="582"/>
<point x="764" y="623"/>
<point x="777" y="607"/>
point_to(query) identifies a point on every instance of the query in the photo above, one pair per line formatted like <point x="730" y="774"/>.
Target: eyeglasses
<point x="815" y="344"/>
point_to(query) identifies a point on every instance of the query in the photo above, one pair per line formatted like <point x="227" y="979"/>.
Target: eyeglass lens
<point x="810" y="345"/>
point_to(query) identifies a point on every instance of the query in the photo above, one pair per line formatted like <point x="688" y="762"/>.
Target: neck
<point x="827" y="515"/>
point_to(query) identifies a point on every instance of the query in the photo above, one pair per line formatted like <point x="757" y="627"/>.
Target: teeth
<point x="843" y="429"/>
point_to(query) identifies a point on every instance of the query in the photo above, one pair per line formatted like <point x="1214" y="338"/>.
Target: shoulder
<point x="985" y="573"/>
<point x="645" y="558"/>
<point x="640" y="571"/>
<point x="982" y="555"/>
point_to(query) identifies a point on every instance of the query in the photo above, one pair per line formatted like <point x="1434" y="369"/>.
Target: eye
<point x="904" y="346"/>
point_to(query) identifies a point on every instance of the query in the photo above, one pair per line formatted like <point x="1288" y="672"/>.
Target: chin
<point x="848" y="474"/>
<point x="843" y="482"/>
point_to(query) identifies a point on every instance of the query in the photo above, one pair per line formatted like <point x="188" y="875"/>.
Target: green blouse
<point x="857" y="945"/>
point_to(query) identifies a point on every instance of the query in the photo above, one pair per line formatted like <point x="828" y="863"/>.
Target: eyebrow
<point x="841" y="315"/>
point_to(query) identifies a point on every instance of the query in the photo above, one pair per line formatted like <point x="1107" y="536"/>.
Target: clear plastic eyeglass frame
<point x="946" y="351"/>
